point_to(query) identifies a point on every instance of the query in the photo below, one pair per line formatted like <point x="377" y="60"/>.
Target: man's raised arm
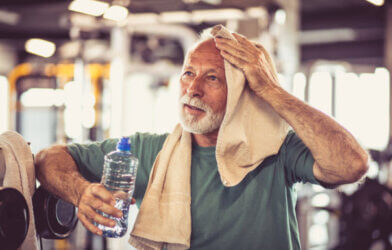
<point x="57" y="172"/>
<point x="338" y="157"/>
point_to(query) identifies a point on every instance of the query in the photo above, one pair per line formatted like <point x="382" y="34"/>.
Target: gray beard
<point x="210" y="122"/>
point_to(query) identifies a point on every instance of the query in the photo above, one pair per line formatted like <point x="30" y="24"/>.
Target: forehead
<point x="205" y="54"/>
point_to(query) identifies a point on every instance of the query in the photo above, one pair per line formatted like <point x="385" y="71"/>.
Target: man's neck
<point x="206" y="140"/>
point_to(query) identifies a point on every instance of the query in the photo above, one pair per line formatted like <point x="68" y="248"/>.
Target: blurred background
<point x="84" y="70"/>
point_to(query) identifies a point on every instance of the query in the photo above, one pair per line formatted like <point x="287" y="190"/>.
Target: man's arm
<point x="338" y="157"/>
<point x="57" y="172"/>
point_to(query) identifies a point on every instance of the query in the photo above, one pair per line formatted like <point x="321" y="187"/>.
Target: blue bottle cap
<point x="124" y="144"/>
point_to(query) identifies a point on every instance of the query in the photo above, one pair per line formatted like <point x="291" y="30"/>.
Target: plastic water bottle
<point x="119" y="174"/>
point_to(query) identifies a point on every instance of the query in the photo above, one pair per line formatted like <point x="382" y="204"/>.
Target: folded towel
<point x="18" y="172"/>
<point x="251" y="131"/>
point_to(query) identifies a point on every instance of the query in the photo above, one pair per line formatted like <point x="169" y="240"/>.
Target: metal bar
<point x="388" y="54"/>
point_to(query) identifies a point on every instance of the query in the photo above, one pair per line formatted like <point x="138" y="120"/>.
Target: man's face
<point x="203" y="89"/>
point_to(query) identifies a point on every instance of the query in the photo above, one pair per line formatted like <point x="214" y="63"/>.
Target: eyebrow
<point x="212" y="70"/>
<point x="188" y="67"/>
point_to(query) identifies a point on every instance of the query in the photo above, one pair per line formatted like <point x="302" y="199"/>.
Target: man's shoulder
<point x="149" y="137"/>
<point x="291" y="138"/>
<point x="290" y="143"/>
<point x="148" y="141"/>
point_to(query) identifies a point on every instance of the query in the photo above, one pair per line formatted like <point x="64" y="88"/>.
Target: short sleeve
<point x="89" y="157"/>
<point x="298" y="160"/>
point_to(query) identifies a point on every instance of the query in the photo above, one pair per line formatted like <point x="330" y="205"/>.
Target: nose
<point x="195" y="88"/>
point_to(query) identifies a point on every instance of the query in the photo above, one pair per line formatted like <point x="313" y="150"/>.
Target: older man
<point x="257" y="213"/>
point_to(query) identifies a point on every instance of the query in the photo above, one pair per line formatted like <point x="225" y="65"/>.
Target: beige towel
<point x="19" y="173"/>
<point x="251" y="131"/>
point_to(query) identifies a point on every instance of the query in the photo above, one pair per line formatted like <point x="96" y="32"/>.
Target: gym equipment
<point x="14" y="218"/>
<point x="54" y="218"/>
<point x="366" y="218"/>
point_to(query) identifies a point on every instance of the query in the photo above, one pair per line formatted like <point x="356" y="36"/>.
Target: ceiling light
<point x="213" y="2"/>
<point x="143" y="18"/>
<point x="9" y="17"/>
<point x="116" y="13"/>
<point x="175" y="17"/>
<point x="38" y="97"/>
<point x="376" y="2"/>
<point x="280" y="16"/>
<point x="40" y="47"/>
<point x="89" y="7"/>
<point x="324" y="36"/>
<point x="216" y="15"/>
<point x="191" y="1"/>
<point x="320" y="200"/>
<point x="82" y="22"/>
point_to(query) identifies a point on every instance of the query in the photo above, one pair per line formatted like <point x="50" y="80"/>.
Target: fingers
<point x="243" y="40"/>
<point x="233" y="48"/>
<point x="230" y="51"/>
<point x="91" y="202"/>
<point x="251" y="58"/>
<point x="239" y="63"/>
<point x="101" y="192"/>
<point x="256" y="48"/>
<point x="93" y="216"/>
<point x="94" y="199"/>
<point x="99" y="198"/>
<point x="100" y="205"/>
<point x="87" y="224"/>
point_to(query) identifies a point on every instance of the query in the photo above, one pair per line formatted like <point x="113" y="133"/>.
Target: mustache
<point x="195" y="102"/>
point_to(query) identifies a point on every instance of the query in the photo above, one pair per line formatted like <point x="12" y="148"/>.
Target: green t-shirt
<point x="258" y="213"/>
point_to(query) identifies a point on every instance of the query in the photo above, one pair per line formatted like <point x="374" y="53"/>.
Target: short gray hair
<point x="204" y="35"/>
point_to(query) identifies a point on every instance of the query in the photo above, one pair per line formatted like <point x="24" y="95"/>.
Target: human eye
<point x="187" y="73"/>
<point x="212" y="78"/>
<point x="213" y="81"/>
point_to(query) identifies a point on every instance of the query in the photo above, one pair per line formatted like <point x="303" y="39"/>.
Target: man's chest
<point x="239" y="216"/>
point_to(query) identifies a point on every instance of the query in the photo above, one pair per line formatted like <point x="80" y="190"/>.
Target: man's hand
<point x="253" y="60"/>
<point x="97" y="197"/>
<point x="338" y="157"/>
<point x="58" y="173"/>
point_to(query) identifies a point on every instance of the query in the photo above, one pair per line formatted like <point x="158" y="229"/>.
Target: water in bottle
<point x="119" y="174"/>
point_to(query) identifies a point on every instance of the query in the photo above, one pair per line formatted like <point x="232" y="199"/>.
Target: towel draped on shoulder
<point x="250" y="132"/>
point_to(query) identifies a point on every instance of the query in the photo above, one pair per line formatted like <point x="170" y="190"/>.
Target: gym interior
<point x="87" y="70"/>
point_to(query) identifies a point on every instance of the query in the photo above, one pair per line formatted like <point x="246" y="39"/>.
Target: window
<point x="362" y="106"/>
<point x="299" y="85"/>
<point x="320" y="91"/>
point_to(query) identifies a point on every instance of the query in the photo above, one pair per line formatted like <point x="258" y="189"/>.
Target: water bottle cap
<point x="124" y="144"/>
